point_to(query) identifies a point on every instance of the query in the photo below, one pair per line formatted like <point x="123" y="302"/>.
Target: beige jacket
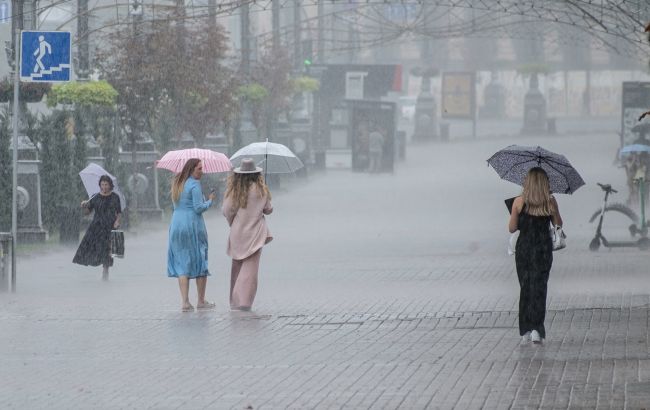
<point x="248" y="230"/>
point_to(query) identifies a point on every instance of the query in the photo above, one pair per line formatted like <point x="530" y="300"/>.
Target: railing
<point x="7" y="258"/>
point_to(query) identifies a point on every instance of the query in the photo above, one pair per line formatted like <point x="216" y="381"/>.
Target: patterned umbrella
<point x="513" y="162"/>
<point x="212" y="161"/>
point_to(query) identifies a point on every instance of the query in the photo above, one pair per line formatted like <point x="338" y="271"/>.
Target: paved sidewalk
<point x="379" y="291"/>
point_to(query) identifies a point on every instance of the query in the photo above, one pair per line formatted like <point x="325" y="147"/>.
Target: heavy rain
<point x="306" y="204"/>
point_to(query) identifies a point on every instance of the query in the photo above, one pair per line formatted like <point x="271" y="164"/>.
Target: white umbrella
<point x="90" y="178"/>
<point x="274" y="158"/>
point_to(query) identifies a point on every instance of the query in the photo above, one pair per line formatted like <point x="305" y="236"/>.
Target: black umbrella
<point x="513" y="162"/>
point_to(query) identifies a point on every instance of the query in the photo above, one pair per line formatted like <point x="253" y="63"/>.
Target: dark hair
<point x="106" y="178"/>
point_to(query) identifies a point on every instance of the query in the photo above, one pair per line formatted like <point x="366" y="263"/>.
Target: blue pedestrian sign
<point x="45" y="56"/>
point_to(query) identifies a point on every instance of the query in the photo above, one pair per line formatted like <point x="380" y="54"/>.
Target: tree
<point x="58" y="187"/>
<point x="254" y="95"/>
<point x="94" y="114"/>
<point x="273" y="73"/>
<point x="29" y="92"/>
<point x="185" y="86"/>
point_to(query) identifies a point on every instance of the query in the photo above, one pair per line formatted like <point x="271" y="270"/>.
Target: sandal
<point x="206" y="305"/>
<point x="188" y="308"/>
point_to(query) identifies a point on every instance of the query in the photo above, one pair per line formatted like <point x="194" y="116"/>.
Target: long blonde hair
<point x="178" y="182"/>
<point x="537" y="193"/>
<point x="239" y="185"/>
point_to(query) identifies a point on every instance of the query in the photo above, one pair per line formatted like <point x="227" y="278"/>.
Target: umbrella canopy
<point x="513" y="162"/>
<point x="212" y="161"/>
<point x="274" y="158"/>
<point x="629" y="149"/>
<point x="90" y="178"/>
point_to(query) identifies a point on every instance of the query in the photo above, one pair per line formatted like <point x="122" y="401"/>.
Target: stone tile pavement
<point x="390" y="291"/>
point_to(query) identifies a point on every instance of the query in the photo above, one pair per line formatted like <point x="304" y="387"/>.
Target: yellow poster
<point x="458" y="95"/>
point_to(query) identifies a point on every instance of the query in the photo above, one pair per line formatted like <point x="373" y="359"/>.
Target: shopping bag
<point x="117" y="244"/>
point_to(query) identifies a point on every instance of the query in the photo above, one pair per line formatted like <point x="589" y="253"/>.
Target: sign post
<point x="39" y="56"/>
<point x="14" y="165"/>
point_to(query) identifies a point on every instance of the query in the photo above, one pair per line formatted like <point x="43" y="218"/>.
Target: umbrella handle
<point x="266" y="158"/>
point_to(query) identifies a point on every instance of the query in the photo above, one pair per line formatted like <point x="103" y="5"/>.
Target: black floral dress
<point x="533" y="259"/>
<point x="94" y="249"/>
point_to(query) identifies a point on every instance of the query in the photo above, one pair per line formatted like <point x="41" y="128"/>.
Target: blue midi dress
<point x="187" y="254"/>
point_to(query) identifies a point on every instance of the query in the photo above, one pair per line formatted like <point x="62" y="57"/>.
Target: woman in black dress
<point x="532" y="214"/>
<point x="94" y="249"/>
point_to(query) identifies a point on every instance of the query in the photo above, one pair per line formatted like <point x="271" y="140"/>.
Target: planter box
<point x="29" y="92"/>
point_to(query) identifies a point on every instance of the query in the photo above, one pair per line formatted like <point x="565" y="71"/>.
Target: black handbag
<point x="117" y="244"/>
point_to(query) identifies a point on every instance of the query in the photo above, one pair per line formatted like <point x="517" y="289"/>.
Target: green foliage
<point x="270" y="89"/>
<point x="534" y="68"/>
<point x="169" y="84"/>
<point x="29" y="92"/>
<point x="196" y="100"/>
<point x="252" y="92"/>
<point x="5" y="171"/>
<point x="94" y="114"/>
<point x="305" y="84"/>
<point x="79" y="162"/>
<point x="57" y="177"/>
<point x="82" y="93"/>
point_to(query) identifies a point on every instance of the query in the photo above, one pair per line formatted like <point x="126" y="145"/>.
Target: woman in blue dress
<point x="187" y="254"/>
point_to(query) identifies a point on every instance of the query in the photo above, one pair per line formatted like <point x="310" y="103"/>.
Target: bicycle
<point x="643" y="243"/>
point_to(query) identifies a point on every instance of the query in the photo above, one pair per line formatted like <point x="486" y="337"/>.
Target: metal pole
<point x="297" y="36"/>
<point x="321" y="30"/>
<point x="212" y="11"/>
<point x="14" y="169"/>
<point x="245" y="39"/>
<point x="474" y="106"/>
<point x="83" y="68"/>
<point x="276" y="24"/>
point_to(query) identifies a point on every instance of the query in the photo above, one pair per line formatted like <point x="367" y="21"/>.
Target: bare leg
<point x="184" y="285"/>
<point x="201" y="284"/>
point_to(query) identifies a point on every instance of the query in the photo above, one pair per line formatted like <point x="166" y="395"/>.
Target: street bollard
<point x="7" y="259"/>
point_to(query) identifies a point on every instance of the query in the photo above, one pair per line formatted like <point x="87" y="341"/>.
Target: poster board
<point x="458" y="95"/>
<point x="635" y="101"/>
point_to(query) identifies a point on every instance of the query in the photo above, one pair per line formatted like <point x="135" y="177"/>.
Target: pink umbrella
<point x="212" y="161"/>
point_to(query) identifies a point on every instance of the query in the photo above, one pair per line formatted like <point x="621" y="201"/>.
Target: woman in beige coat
<point x="246" y="201"/>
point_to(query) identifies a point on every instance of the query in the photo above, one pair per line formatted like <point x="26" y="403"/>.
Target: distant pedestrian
<point x="187" y="254"/>
<point x="375" y="149"/>
<point x="95" y="247"/>
<point x="532" y="214"/>
<point x="246" y="201"/>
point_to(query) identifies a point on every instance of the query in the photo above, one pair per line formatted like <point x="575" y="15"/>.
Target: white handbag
<point x="512" y="243"/>
<point x="559" y="237"/>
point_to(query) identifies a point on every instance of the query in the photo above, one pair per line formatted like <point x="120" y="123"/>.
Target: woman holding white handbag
<point x="532" y="212"/>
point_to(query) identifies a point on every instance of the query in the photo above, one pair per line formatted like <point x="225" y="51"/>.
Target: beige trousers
<point x="243" y="281"/>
